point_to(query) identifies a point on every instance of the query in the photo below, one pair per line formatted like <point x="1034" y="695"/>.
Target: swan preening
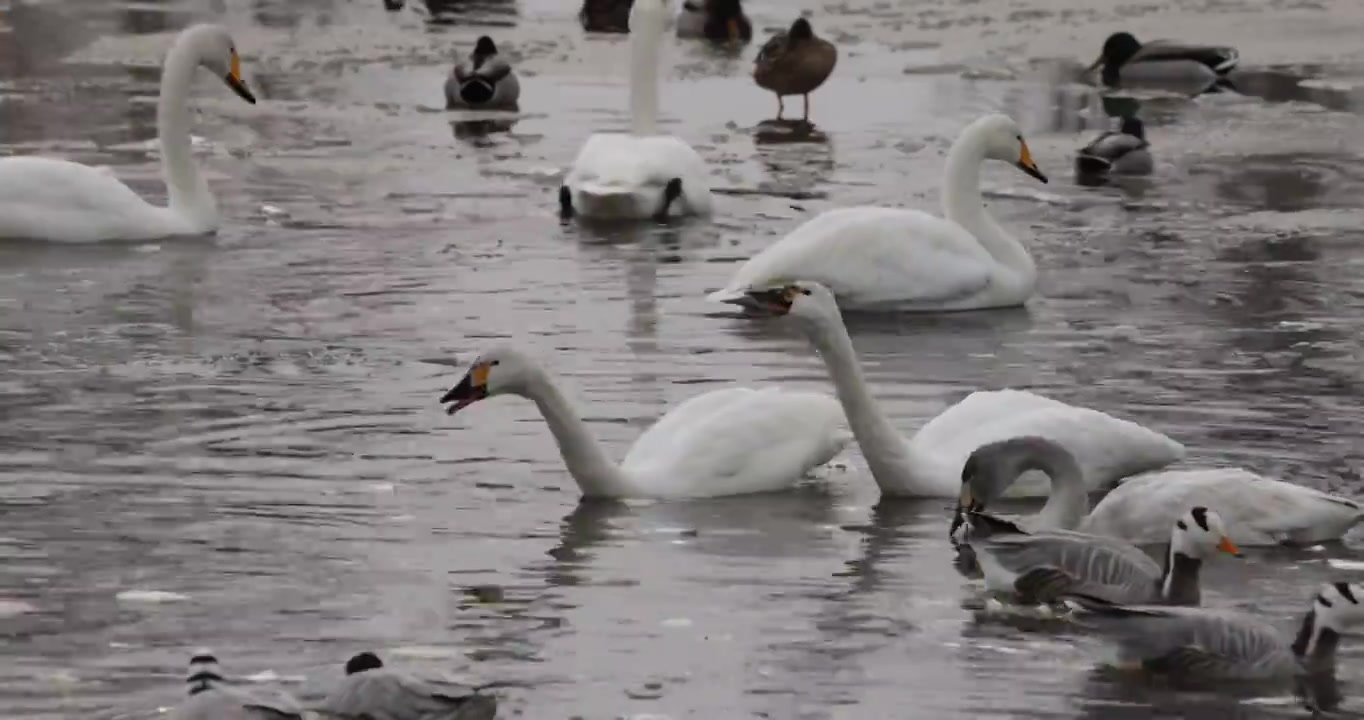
<point x="63" y="201"/>
<point x="731" y="441"/>
<point x="641" y="174"/>
<point x="889" y="258"/>
<point x="929" y="464"/>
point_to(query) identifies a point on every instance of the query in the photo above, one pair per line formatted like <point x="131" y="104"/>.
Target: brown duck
<point x="795" y="63"/>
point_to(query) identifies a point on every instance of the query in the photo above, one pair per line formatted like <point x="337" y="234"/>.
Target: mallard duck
<point x="1125" y="59"/>
<point x="1125" y="151"/>
<point x="719" y="20"/>
<point x="606" y="15"/>
<point x="483" y="81"/>
<point x="795" y="63"/>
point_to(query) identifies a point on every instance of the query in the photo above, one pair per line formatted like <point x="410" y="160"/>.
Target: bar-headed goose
<point x="210" y="698"/>
<point x="1193" y="645"/>
<point x="1047" y="566"/>
<point x="369" y="690"/>
<point x="1258" y="511"/>
<point x="1126" y="60"/>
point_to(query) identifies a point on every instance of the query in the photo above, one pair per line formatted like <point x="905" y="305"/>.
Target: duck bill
<point x="472" y="388"/>
<point x="233" y="78"/>
<point x="1229" y="547"/>
<point x="777" y="302"/>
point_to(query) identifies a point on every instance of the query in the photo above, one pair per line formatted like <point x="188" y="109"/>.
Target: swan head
<point x="363" y="662"/>
<point x="650" y="18"/>
<point x="1199" y="534"/>
<point x="1001" y="139"/>
<point x="216" y="52"/>
<point x="496" y="372"/>
<point x="804" y="300"/>
<point x="993" y="467"/>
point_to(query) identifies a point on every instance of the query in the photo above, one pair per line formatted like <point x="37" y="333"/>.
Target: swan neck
<point x="1067" y="501"/>
<point x="645" y="49"/>
<point x="885" y="450"/>
<point x="595" y="474"/>
<point x="187" y="192"/>
<point x="963" y="205"/>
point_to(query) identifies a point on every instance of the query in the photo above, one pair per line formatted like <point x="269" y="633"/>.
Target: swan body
<point x="484" y="81"/>
<point x="210" y="698"/>
<point x="641" y="174"/>
<point x="719" y="20"/>
<point x="876" y="258"/>
<point x="62" y="201"/>
<point x="731" y="441"/>
<point x="370" y="690"/>
<point x="1125" y="60"/>
<point x="1121" y="152"/>
<point x="930" y="463"/>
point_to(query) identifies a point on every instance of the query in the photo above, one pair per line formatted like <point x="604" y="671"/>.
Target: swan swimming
<point x="877" y="258"/>
<point x="641" y="174"/>
<point x="63" y="201"/>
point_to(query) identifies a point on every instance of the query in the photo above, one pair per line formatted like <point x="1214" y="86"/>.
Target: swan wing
<point x="1256" y="510"/>
<point x="1047" y="565"/>
<point x="615" y="164"/>
<point x="1105" y="447"/>
<point x="740" y="442"/>
<point x="870" y="257"/>
<point x="59" y="200"/>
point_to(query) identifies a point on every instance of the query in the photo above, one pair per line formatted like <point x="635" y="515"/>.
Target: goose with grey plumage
<point x="1124" y="151"/>
<point x="483" y="81"/>
<point x="1047" y="566"/>
<point x="370" y="690"/>
<point x="1194" y="646"/>
<point x="211" y="698"/>
<point x="1257" y="511"/>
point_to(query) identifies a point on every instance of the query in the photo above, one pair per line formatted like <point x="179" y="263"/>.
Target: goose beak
<point x="472" y="388"/>
<point x="777" y="300"/>
<point x="233" y="78"/>
<point x="1228" y="547"/>
<point x="1026" y="164"/>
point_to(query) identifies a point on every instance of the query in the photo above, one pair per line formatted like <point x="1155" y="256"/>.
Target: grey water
<point x="235" y="442"/>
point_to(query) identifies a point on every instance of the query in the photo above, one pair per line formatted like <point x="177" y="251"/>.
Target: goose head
<point x="1001" y="139"/>
<point x="363" y="662"/>
<point x="650" y="18"/>
<point x="496" y="372"/>
<point x="1199" y="534"/>
<point x="1339" y="606"/>
<point x="807" y="301"/>
<point x="215" y="51"/>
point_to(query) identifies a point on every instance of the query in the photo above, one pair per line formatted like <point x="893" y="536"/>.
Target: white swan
<point x="640" y="174"/>
<point x="63" y="201"/>
<point x="888" y="258"/>
<point x="931" y="463"/>
<point x="1257" y="510"/>
<point x="732" y="441"/>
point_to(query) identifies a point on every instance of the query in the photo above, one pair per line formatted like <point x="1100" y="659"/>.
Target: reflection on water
<point x="235" y="441"/>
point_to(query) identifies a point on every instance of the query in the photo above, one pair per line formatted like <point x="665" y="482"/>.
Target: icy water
<point x="236" y="442"/>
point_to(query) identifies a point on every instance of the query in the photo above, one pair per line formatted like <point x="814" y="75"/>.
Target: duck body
<point x="1121" y="152"/>
<point x="795" y="62"/>
<point x="716" y="20"/>
<point x="484" y="81"/>
<point x="1258" y="511"/>
<point x="876" y="258"/>
<point x="1125" y="60"/>
<point x="61" y="201"/>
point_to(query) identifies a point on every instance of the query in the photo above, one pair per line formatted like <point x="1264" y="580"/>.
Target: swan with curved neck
<point x="893" y="259"/>
<point x="63" y="201"/>
<point x="725" y="442"/>
<point x="640" y="174"/>
<point x="929" y="465"/>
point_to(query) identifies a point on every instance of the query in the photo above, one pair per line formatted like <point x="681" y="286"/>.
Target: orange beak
<point x="1228" y="547"/>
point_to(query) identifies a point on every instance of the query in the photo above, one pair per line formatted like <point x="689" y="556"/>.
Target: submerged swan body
<point x="732" y="441"/>
<point x="930" y="463"/>
<point x="641" y="174"/>
<point x="62" y="201"/>
<point x="892" y="259"/>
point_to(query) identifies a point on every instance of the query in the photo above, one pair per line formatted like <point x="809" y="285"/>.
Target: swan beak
<point x="1229" y="547"/>
<point x="1026" y="164"/>
<point x="472" y="388"/>
<point x="233" y="78"/>
<point x="776" y="301"/>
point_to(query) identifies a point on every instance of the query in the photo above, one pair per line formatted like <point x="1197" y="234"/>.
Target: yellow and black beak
<point x="1026" y="164"/>
<point x="776" y="300"/>
<point x="234" y="80"/>
<point x="1228" y="547"/>
<point x="472" y="388"/>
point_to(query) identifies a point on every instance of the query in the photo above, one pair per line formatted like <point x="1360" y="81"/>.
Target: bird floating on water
<point x="1124" y="151"/>
<point x="719" y="20"/>
<point x="1124" y="59"/>
<point x="483" y="81"/>
<point x="795" y="62"/>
